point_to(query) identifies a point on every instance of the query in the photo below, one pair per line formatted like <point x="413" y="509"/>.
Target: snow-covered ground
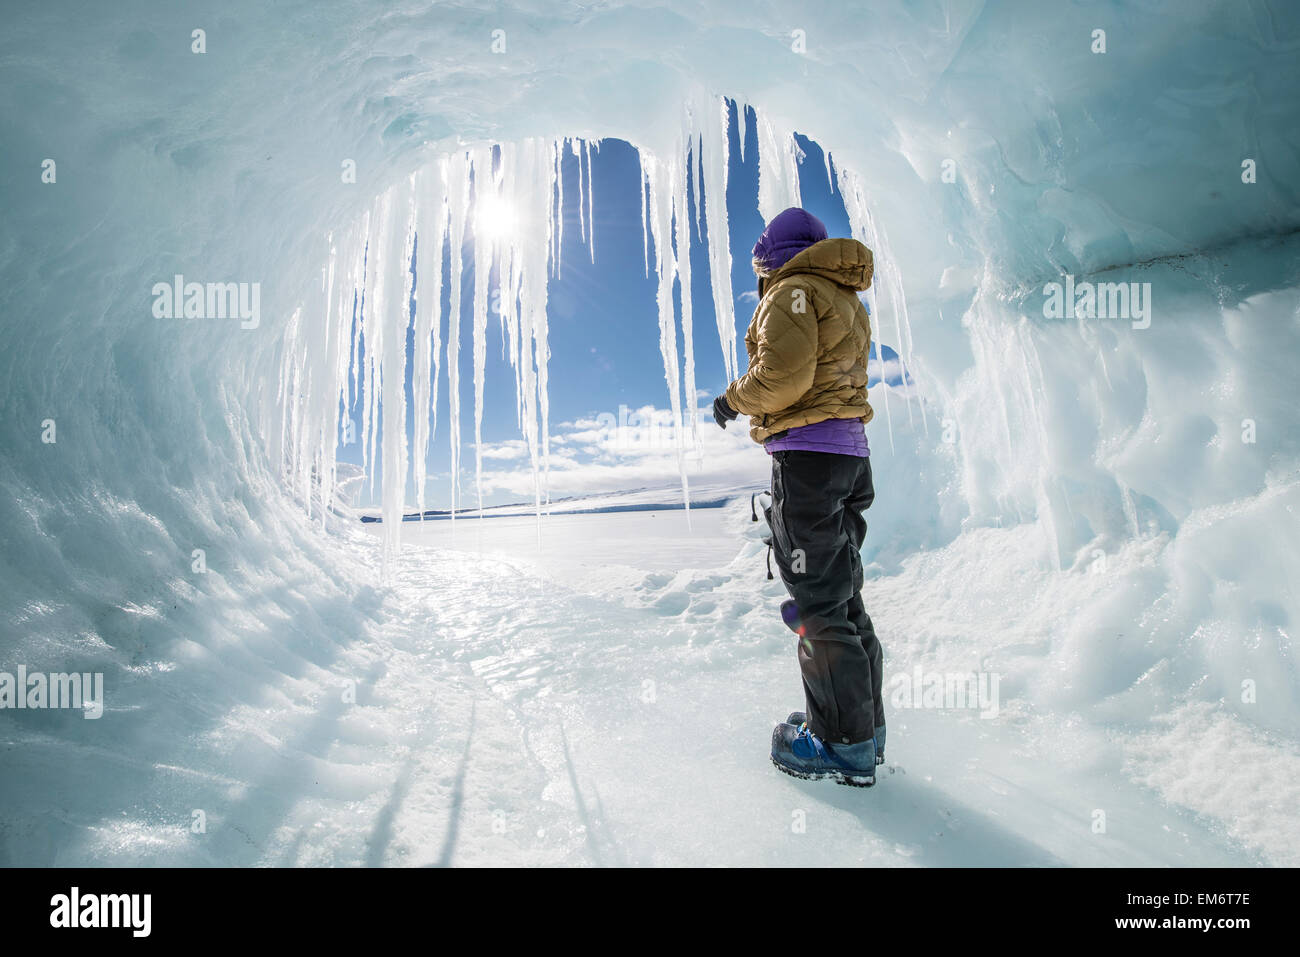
<point x="608" y="700"/>
<point x="641" y="666"/>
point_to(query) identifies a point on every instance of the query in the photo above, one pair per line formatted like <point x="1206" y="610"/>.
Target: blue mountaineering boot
<point x="798" y="718"/>
<point x="790" y="615"/>
<point x="801" y="754"/>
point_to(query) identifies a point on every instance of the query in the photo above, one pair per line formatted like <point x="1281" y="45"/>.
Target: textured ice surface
<point x="1074" y="503"/>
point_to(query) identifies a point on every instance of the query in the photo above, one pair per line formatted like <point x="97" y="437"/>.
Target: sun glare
<point x="494" y="217"/>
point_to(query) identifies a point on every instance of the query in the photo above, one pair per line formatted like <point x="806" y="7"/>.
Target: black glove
<point x="723" y="413"/>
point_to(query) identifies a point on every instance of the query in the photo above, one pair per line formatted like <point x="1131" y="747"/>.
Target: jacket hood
<point x="789" y="233"/>
<point x="842" y="260"/>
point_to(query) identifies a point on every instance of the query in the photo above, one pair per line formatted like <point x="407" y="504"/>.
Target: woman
<point x="806" y="397"/>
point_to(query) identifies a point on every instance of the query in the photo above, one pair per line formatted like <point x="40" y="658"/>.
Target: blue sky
<point x="604" y="341"/>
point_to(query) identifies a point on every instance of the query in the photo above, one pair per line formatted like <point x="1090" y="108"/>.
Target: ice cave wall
<point x="225" y="165"/>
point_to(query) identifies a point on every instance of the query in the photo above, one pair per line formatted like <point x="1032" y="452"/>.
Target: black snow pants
<point x="817" y="531"/>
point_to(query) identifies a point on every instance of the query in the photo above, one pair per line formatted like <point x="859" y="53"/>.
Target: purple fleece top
<point x="842" y="436"/>
<point x="791" y="232"/>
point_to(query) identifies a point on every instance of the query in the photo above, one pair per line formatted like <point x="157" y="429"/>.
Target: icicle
<point x="392" y="315"/>
<point x="557" y="210"/>
<point x="742" y="126"/>
<point x="541" y="330"/>
<point x="645" y="231"/>
<point x="691" y="158"/>
<point x="386" y="320"/>
<point x="508" y="278"/>
<point x="347" y="344"/>
<point x="372" y="332"/>
<point x="350" y="307"/>
<point x="661" y="215"/>
<point x="303" y="393"/>
<point x="531" y="179"/>
<point x="345" y="304"/>
<point x="533" y="195"/>
<point x="582" y="213"/>
<point x="689" y="425"/>
<point x="485" y="198"/>
<point x="359" y="309"/>
<point x="365" y="294"/>
<point x="362" y="355"/>
<point x="516" y="274"/>
<point x="855" y="206"/>
<point x="458" y="209"/>
<point x="778" y="169"/>
<point x="431" y="232"/>
<point x="337" y="373"/>
<point x="887" y="286"/>
<point x="324" y="451"/>
<point x="591" y="207"/>
<point x="699" y="167"/>
<point x="286" y="395"/>
<point x="716" y="160"/>
<point x="368" y="334"/>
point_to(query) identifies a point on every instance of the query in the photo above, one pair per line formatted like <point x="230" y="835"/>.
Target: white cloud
<point x="625" y="449"/>
<point x="634" y="449"/>
<point x="510" y="449"/>
<point x="891" y="370"/>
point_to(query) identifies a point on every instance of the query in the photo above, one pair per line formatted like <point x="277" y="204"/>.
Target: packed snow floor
<point x="595" y="702"/>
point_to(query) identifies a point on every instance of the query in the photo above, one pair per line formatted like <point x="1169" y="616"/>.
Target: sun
<point x="493" y="217"/>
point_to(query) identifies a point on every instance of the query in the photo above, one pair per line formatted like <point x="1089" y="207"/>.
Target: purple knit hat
<point x="788" y="233"/>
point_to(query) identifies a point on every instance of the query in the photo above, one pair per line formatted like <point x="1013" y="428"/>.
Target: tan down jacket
<point x="808" y="342"/>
